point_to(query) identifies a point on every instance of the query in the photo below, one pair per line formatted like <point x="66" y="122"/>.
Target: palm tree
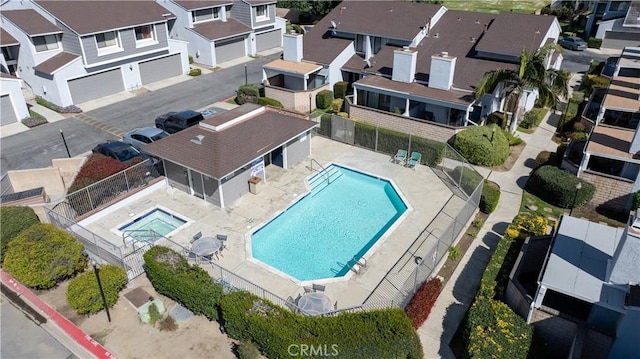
<point x="532" y="74"/>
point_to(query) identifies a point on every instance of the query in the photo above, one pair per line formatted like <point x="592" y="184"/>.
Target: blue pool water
<point x="319" y="234"/>
<point x="160" y="221"/>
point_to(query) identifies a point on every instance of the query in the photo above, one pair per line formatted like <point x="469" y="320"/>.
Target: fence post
<point x="409" y="147"/>
<point x="90" y="201"/>
<point x="376" y="144"/>
<point x="126" y="180"/>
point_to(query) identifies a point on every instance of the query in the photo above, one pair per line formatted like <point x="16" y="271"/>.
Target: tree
<point x="532" y="74"/>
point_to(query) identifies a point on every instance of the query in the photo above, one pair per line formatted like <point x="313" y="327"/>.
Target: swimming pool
<point x="158" y="220"/>
<point x="341" y="218"/>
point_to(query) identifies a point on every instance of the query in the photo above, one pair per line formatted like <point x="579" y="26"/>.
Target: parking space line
<point x="92" y="121"/>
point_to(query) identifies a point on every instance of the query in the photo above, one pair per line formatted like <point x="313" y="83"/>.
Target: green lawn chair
<point x="415" y="159"/>
<point x="400" y="157"/>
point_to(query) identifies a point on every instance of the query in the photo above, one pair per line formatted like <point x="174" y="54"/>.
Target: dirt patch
<point x="128" y="337"/>
<point x="514" y="153"/>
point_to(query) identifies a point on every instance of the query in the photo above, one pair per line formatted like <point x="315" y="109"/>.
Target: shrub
<point x="68" y="109"/>
<point x="579" y="127"/>
<point x="490" y="197"/>
<point x="530" y="224"/>
<point x="467" y="178"/>
<point x="562" y="148"/>
<point x="594" y="43"/>
<point x="592" y="82"/>
<point x="247" y="350"/>
<point x="513" y="140"/>
<point x="268" y="101"/>
<point x="247" y="93"/>
<point x="493" y="330"/>
<point x="323" y="99"/>
<point x="636" y="201"/>
<point x="325" y="125"/>
<point x="13" y="220"/>
<point x="83" y="293"/>
<point x="35" y="119"/>
<point x="168" y="324"/>
<point x="454" y="254"/>
<point x="195" y="72"/>
<point x="96" y="168"/>
<point x="340" y="89"/>
<point x="372" y="334"/>
<point x="545" y="158"/>
<point x="482" y="145"/>
<point x="558" y="187"/>
<point x="343" y="114"/>
<point x="497" y="118"/>
<point x="190" y="59"/>
<point x="336" y="105"/>
<point x="154" y="314"/>
<point x="190" y="285"/>
<point x="43" y="255"/>
<point x="421" y="303"/>
<point x="570" y="112"/>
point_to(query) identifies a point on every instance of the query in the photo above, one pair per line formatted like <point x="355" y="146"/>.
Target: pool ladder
<point x="323" y="171"/>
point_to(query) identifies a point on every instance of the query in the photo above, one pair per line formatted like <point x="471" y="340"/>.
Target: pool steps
<point x="323" y="178"/>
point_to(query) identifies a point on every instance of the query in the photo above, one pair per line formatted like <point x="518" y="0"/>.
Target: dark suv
<point x="173" y="122"/>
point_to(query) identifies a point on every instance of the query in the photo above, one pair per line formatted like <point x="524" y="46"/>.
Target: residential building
<point x="75" y="51"/>
<point x="222" y="30"/>
<point x="616" y="34"/>
<point x="610" y="158"/>
<point x="216" y="159"/>
<point x="412" y="67"/>
<point x="13" y="107"/>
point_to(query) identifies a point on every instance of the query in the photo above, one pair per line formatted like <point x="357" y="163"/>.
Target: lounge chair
<point x="400" y="157"/>
<point x="415" y="159"/>
<point x="318" y="288"/>
<point x="196" y="237"/>
<point x="307" y="290"/>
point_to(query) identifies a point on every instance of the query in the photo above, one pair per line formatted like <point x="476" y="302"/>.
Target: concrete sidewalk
<point x="456" y="297"/>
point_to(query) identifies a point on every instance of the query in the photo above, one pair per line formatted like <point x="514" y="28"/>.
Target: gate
<point x="342" y="129"/>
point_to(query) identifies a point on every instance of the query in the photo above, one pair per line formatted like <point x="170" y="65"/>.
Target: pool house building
<point x="217" y="159"/>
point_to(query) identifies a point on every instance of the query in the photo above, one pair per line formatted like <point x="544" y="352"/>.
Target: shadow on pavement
<point x="522" y="181"/>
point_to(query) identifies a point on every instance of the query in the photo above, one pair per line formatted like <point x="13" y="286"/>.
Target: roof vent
<point x="459" y="18"/>
<point x="198" y="139"/>
<point x="444" y="53"/>
<point x="477" y="21"/>
<point x="436" y="35"/>
<point x="472" y="39"/>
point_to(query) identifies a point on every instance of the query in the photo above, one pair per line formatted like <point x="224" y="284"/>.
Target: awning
<point x="298" y="68"/>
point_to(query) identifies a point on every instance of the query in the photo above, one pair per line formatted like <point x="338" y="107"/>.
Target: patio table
<point x="314" y="303"/>
<point x="205" y="246"/>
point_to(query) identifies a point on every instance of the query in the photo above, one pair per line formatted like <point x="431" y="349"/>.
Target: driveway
<point x="578" y="61"/>
<point x="38" y="146"/>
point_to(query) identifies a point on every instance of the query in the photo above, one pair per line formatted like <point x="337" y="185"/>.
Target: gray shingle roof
<point x="6" y="39"/>
<point x="202" y="4"/>
<point x="54" y="63"/>
<point x="31" y="22"/>
<point x="214" y="30"/>
<point x="510" y="32"/>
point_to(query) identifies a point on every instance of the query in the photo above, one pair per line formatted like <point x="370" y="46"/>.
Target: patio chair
<point x="335" y="305"/>
<point x="291" y="304"/>
<point x="318" y="288"/>
<point x="223" y="239"/>
<point x="415" y="159"/>
<point x="400" y="157"/>
<point x="196" y="237"/>
<point x="307" y="290"/>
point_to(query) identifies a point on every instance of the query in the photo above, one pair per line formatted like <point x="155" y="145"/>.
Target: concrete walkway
<point x="452" y="304"/>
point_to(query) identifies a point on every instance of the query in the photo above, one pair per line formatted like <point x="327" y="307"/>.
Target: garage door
<point x="230" y="49"/>
<point x="7" y="113"/>
<point x="160" y="69"/>
<point x="96" y="86"/>
<point x="268" y="40"/>
<point x="618" y="40"/>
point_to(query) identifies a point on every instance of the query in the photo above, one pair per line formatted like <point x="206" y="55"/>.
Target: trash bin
<point x="253" y="184"/>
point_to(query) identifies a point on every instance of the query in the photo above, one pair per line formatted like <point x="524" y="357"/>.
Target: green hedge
<point x="336" y="105"/>
<point x="83" y="293"/>
<point x="558" y="187"/>
<point x="566" y="120"/>
<point x="483" y="145"/>
<point x="390" y="141"/>
<point x="13" y="220"/>
<point x="325" y="125"/>
<point x="323" y="99"/>
<point x="490" y="197"/>
<point x="268" y="101"/>
<point x="533" y="118"/>
<point x="340" y="89"/>
<point x="497" y="118"/>
<point x="190" y="285"/>
<point x="247" y="93"/>
<point x="374" y="334"/>
<point x="636" y="201"/>
<point x="43" y="255"/>
<point x="594" y="43"/>
<point x="195" y="72"/>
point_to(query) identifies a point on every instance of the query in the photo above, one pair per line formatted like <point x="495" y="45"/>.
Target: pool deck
<point x="425" y="194"/>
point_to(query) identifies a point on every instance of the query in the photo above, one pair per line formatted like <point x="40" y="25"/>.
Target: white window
<point x="45" y="43"/>
<point x="205" y="14"/>
<point x="261" y="12"/>
<point x="145" y="33"/>
<point x="107" y="39"/>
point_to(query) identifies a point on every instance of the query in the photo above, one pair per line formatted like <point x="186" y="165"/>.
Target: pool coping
<point x="187" y="221"/>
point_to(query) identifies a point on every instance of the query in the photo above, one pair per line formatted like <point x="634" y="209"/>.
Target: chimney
<point x="404" y="65"/>
<point x="441" y="72"/>
<point x="292" y="47"/>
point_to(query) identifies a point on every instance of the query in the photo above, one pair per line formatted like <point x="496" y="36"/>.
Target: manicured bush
<point x="493" y="330"/>
<point x="13" y="220"/>
<point x="83" y="293"/>
<point x="545" y="158"/>
<point x="96" y="168"/>
<point x="190" y="285"/>
<point x="497" y="118"/>
<point x="636" y="201"/>
<point x="490" y="197"/>
<point x="421" y="303"/>
<point x="336" y="105"/>
<point x="594" y="43"/>
<point x="325" y="125"/>
<point x="512" y="139"/>
<point x="323" y="99"/>
<point x="268" y="101"/>
<point x="340" y="89"/>
<point x="466" y="177"/>
<point x="558" y="187"/>
<point x="530" y="224"/>
<point x="68" y="109"/>
<point x="592" y="82"/>
<point x="482" y="145"/>
<point x="373" y="334"/>
<point x="43" y="255"/>
<point x="247" y="93"/>
<point x="195" y="72"/>
<point x="533" y="118"/>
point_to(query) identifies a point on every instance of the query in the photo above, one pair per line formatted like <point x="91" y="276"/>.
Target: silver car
<point x="573" y="43"/>
<point x="141" y="136"/>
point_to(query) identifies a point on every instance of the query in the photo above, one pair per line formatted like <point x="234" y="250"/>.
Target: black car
<point x="173" y="122"/>
<point x="121" y="151"/>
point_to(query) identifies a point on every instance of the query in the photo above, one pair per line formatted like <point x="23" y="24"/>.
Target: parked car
<point x="573" y="43"/>
<point x="141" y="136"/>
<point x="173" y="122"/>
<point x="119" y="150"/>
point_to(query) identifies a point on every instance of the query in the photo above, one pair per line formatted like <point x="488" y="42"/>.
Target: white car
<point x="141" y="136"/>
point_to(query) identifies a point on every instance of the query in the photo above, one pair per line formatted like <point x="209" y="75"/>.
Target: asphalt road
<point x="578" y="61"/>
<point x="36" y="147"/>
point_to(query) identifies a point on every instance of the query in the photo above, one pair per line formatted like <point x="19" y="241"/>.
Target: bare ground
<point x="128" y="337"/>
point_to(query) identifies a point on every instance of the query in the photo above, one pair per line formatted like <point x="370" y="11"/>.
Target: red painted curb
<point x="63" y="323"/>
